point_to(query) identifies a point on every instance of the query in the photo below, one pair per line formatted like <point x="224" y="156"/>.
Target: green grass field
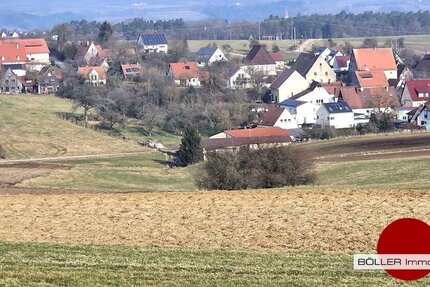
<point x="418" y="43"/>
<point x="89" y="265"/>
<point x="146" y="172"/>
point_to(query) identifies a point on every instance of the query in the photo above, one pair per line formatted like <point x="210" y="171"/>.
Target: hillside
<point x="30" y="128"/>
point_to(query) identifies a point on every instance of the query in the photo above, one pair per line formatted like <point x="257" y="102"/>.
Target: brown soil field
<point x="369" y="147"/>
<point x="292" y="220"/>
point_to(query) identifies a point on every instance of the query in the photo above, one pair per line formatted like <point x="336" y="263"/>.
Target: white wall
<point x="336" y="120"/>
<point x="317" y="97"/>
<point x="286" y="121"/>
<point x="292" y="86"/>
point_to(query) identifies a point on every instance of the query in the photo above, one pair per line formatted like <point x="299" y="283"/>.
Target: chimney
<point x="17" y="46"/>
<point x="88" y="43"/>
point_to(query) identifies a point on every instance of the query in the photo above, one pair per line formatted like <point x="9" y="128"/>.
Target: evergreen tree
<point x="105" y="32"/>
<point x="190" y="151"/>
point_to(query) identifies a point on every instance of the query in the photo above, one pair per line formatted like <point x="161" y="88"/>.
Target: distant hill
<point x="33" y="14"/>
<point x="23" y="21"/>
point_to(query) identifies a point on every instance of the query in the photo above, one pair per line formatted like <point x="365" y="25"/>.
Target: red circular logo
<point x="405" y="236"/>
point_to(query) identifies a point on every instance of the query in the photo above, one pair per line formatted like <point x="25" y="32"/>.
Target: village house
<point x="10" y="83"/>
<point x="186" y="74"/>
<point x="206" y="56"/>
<point x="322" y="51"/>
<point x="315" y="95"/>
<point x="153" y="43"/>
<point x="277" y="117"/>
<point x="403" y="74"/>
<point x="95" y="76"/>
<point x="287" y="84"/>
<point x="130" y="71"/>
<point x="374" y="61"/>
<point x="86" y="51"/>
<point x="416" y="93"/>
<point x="237" y="78"/>
<point x="402" y="114"/>
<point x="337" y="115"/>
<point x="33" y="53"/>
<point x="303" y="112"/>
<point x="279" y="59"/>
<point x="341" y="64"/>
<point x="259" y="60"/>
<point x="370" y="100"/>
<point x="90" y="54"/>
<point x="421" y="116"/>
<point x="49" y="80"/>
<point x="314" y="68"/>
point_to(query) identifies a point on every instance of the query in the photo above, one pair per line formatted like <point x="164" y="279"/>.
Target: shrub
<point x="259" y="168"/>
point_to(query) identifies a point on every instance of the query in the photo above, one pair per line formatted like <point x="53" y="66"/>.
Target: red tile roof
<point x="185" y="70"/>
<point x="369" y="98"/>
<point x="34" y="46"/>
<point x="84" y="71"/>
<point x="351" y="96"/>
<point x="104" y="53"/>
<point x="12" y="52"/>
<point x="257" y="132"/>
<point x="375" y="59"/>
<point x="342" y="61"/>
<point x="277" y="57"/>
<point x="418" y="86"/>
<point x="371" y="79"/>
<point x="16" y="50"/>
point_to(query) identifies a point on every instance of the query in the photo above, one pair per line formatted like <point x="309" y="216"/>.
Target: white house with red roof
<point x="416" y="93"/>
<point x="95" y="76"/>
<point x="33" y="53"/>
<point x="186" y="74"/>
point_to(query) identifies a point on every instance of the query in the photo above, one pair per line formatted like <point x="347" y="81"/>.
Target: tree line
<point x="340" y="25"/>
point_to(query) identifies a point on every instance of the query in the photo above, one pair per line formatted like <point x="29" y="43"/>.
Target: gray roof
<point x="153" y="39"/>
<point x="203" y="54"/>
<point x="281" y="78"/>
<point x="337" y="107"/>
<point x="304" y="63"/>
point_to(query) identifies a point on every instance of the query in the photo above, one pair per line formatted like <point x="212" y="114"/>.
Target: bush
<point x="259" y="168"/>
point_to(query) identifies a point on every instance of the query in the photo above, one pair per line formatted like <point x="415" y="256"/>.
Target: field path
<point x="88" y="156"/>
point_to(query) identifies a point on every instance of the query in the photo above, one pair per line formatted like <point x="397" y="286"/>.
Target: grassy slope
<point x="85" y="265"/>
<point x="146" y="172"/>
<point x="30" y="128"/>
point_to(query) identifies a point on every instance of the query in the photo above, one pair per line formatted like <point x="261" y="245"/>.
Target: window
<point x="326" y="73"/>
<point x="332" y="118"/>
<point x="315" y="73"/>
